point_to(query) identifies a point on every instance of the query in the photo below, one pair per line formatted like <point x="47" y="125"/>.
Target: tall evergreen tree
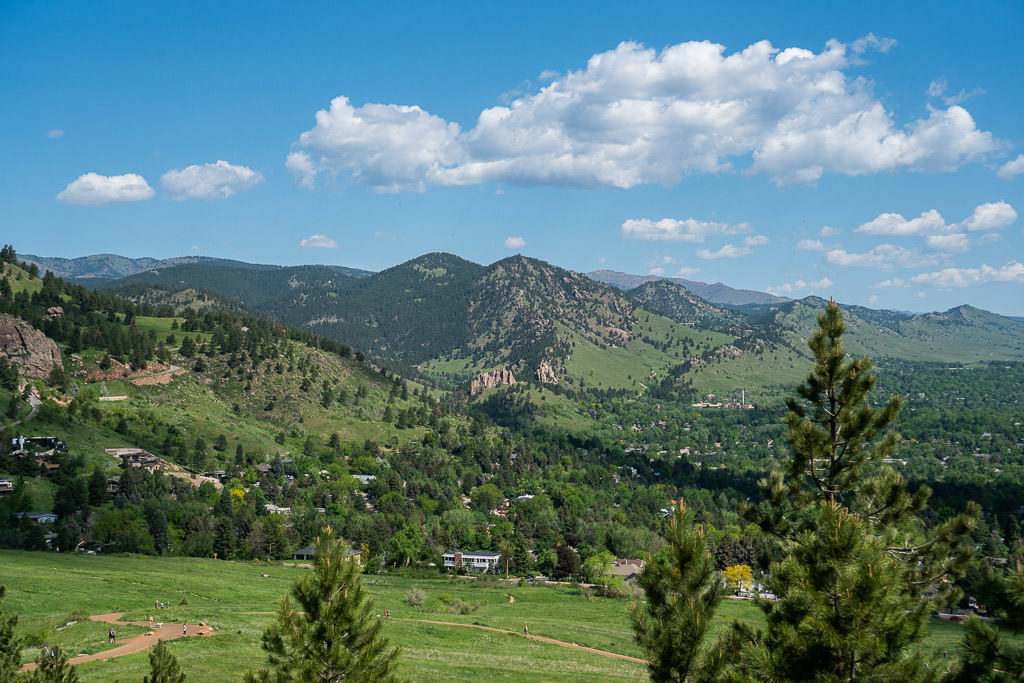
<point x="682" y="594"/>
<point x="163" y="666"/>
<point x="987" y="654"/>
<point x="10" y="644"/>
<point x="52" y="669"/>
<point x="859" y="574"/>
<point x="334" y="635"/>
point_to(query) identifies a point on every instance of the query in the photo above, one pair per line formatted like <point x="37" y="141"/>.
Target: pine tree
<point x="163" y="666"/>
<point x="682" y="594"/>
<point x="856" y="561"/>
<point x="10" y="645"/>
<point x="52" y="669"/>
<point x="987" y="654"/>
<point x="334" y="634"/>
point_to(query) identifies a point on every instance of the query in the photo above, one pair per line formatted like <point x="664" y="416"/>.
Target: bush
<point x="415" y="597"/>
<point x="459" y="606"/>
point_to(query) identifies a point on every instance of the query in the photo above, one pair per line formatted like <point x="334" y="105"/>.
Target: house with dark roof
<point x="308" y="554"/>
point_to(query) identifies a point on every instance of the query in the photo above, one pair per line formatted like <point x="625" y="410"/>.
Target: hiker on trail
<point x="111" y="636"/>
<point x="184" y="629"/>
<point x="387" y="613"/>
<point x="526" y="630"/>
<point x="151" y="621"/>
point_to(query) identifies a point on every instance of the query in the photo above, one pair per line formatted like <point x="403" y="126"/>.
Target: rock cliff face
<point x="28" y="348"/>
<point x="491" y="379"/>
<point x="546" y="374"/>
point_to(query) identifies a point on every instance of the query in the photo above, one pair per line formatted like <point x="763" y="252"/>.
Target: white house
<point x="477" y="561"/>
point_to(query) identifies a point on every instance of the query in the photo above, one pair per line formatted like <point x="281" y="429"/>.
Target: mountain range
<point x="448" y="320"/>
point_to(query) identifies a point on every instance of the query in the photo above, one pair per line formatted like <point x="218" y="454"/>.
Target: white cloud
<point x="872" y="42"/>
<point x="993" y="216"/>
<point x="672" y="230"/>
<point x="954" y="242"/>
<point x="686" y="271"/>
<point x="937" y="233"/>
<point x="950" y="278"/>
<point x="318" y="242"/>
<point x="55" y="133"/>
<point x="635" y="115"/>
<point x="194" y="248"/>
<point x="928" y="223"/>
<point x="756" y="241"/>
<point x="893" y="283"/>
<point x="884" y="256"/>
<point x="829" y="231"/>
<point x="515" y="243"/>
<point x="93" y="189"/>
<point x="656" y="271"/>
<point x="1011" y="169"/>
<point x="938" y="89"/>
<point x="728" y="251"/>
<point x="810" y="245"/>
<point x="800" y="287"/>
<point x="209" y="181"/>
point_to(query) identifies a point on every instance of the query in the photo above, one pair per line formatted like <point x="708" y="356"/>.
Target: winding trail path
<point x="539" y="639"/>
<point x="138" y="643"/>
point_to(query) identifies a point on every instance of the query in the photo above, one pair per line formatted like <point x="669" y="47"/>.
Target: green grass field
<point x="48" y="591"/>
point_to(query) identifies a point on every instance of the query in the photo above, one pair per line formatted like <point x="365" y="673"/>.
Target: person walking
<point x="184" y="629"/>
<point x="111" y="636"/>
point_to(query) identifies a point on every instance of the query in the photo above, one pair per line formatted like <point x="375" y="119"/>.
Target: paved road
<point x="33" y="400"/>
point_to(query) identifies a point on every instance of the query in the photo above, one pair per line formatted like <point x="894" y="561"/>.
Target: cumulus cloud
<point x="938" y="234"/>
<point x="810" y="245"/>
<point x="515" y="243"/>
<point x="686" y="271"/>
<point x="1011" y="169"/>
<point x="883" y="256"/>
<point x="829" y="231"/>
<point x="672" y="230"/>
<point x="635" y="115"/>
<point x="209" y="181"/>
<point x="756" y="241"/>
<point x="728" y="251"/>
<point x="318" y="242"/>
<point x="800" y="287"/>
<point x="954" y="242"/>
<point x="949" y="278"/>
<point x="928" y="223"/>
<point x="993" y="216"/>
<point x="93" y="189"/>
<point x="55" y="133"/>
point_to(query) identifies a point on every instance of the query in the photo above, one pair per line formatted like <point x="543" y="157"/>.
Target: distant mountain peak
<point x="716" y="293"/>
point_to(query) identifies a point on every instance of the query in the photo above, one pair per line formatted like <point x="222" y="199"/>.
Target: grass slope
<point x="48" y="591"/>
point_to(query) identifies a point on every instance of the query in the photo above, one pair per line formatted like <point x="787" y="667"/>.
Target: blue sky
<point x="866" y="151"/>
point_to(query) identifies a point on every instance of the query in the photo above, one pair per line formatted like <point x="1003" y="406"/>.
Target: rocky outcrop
<point x="546" y="374"/>
<point x="28" y="348"/>
<point x="488" y="380"/>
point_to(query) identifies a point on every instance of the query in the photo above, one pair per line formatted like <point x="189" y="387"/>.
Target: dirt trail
<point x="138" y="643"/>
<point x="539" y="639"/>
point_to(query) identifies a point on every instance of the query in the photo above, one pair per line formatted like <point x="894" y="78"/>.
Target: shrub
<point x="415" y="597"/>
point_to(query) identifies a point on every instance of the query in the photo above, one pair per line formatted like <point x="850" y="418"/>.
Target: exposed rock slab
<point x="35" y="353"/>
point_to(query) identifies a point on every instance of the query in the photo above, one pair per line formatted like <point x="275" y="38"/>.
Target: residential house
<point x="6" y="486"/>
<point x="627" y="569"/>
<point x="114" y="485"/>
<point x="476" y="561"/>
<point x="309" y="552"/>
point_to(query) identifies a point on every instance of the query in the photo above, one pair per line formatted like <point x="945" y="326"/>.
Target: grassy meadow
<point x="49" y="591"/>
